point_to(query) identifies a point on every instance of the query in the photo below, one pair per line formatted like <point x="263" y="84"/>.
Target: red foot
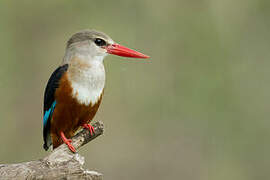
<point x="90" y="128"/>
<point x="68" y="142"/>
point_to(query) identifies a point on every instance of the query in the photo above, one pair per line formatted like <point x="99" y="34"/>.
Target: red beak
<point x="119" y="50"/>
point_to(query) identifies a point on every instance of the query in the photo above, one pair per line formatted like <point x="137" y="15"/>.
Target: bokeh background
<point x="198" y="109"/>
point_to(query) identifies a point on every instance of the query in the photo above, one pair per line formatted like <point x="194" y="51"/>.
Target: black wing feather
<point x="49" y="98"/>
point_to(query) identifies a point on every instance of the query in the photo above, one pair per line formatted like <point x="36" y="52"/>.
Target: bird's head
<point x="97" y="45"/>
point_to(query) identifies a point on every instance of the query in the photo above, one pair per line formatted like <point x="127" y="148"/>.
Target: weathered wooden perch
<point x="61" y="163"/>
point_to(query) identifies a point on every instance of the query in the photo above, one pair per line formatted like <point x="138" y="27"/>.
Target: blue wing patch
<point x="46" y="124"/>
<point x="48" y="113"/>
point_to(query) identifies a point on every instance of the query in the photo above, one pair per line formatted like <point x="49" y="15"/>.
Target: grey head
<point x="92" y="45"/>
<point x="99" y="38"/>
<point x="87" y="44"/>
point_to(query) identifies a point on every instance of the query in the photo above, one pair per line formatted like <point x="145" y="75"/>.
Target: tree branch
<point x="61" y="163"/>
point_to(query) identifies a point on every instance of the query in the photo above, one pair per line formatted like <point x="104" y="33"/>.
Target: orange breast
<point x="69" y="115"/>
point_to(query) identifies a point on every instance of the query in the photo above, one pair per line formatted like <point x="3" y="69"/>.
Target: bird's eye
<point x="100" y="42"/>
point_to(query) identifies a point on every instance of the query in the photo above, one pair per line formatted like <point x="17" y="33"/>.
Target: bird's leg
<point x="90" y="128"/>
<point x="67" y="142"/>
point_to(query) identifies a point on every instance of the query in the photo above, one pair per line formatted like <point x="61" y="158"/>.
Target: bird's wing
<point x="50" y="102"/>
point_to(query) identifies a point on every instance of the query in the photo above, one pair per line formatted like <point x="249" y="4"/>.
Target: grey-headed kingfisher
<point x="74" y="90"/>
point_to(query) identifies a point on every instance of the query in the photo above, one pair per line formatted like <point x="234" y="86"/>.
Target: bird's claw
<point x="70" y="146"/>
<point x="90" y="128"/>
<point x="68" y="142"/>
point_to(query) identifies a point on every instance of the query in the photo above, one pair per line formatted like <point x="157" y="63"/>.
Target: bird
<point x="74" y="90"/>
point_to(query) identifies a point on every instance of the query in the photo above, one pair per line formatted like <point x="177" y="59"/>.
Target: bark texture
<point x="61" y="163"/>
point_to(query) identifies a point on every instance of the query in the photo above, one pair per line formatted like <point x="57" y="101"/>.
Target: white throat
<point x="86" y="74"/>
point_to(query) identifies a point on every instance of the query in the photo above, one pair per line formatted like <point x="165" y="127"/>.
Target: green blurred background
<point x="199" y="109"/>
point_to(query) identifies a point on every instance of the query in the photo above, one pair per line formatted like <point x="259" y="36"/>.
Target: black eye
<point x="100" y="42"/>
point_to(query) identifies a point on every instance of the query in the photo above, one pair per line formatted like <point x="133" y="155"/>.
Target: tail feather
<point x="45" y="147"/>
<point x="47" y="142"/>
